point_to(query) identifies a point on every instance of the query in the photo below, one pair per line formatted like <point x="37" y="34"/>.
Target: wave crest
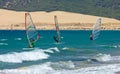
<point x="102" y="57"/>
<point x="16" y="57"/>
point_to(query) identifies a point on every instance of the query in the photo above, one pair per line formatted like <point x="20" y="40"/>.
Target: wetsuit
<point x="91" y="37"/>
<point x="32" y="43"/>
<point x="56" y="38"/>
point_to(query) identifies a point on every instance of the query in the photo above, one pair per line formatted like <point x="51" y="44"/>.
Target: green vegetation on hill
<point x="106" y="8"/>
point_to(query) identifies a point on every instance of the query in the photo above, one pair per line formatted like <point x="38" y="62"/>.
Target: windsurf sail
<point x="57" y="36"/>
<point x="31" y="32"/>
<point x="96" y="29"/>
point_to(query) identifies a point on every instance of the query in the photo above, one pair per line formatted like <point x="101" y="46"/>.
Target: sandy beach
<point x="45" y="20"/>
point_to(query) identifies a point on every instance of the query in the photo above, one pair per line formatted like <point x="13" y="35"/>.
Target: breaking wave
<point x="47" y="69"/>
<point x="65" y="48"/>
<point x="16" y="57"/>
<point x="63" y="65"/>
<point x="52" y="50"/>
<point x="106" y="58"/>
<point x="19" y="57"/>
<point x="102" y="57"/>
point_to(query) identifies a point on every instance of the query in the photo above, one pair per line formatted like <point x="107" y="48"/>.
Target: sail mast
<point x="57" y="37"/>
<point x="31" y="32"/>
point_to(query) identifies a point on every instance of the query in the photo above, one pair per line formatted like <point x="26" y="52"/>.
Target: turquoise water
<point x="75" y="47"/>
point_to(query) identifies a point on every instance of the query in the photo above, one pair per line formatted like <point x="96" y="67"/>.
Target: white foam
<point x="115" y="58"/>
<point x="35" y="69"/>
<point x="115" y="46"/>
<point x="51" y="50"/>
<point x="3" y="39"/>
<point x="55" y="48"/>
<point x="23" y="56"/>
<point x="18" y="39"/>
<point x="46" y="69"/>
<point x="65" y="48"/>
<point x="3" y="44"/>
<point x="62" y="37"/>
<point x="111" y="46"/>
<point x="106" y="57"/>
<point x="63" y="65"/>
<point x="102" y="57"/>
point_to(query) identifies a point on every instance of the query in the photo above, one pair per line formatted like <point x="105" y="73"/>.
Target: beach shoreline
<point x="14" y="20"/>
<point x="73" y="26"/>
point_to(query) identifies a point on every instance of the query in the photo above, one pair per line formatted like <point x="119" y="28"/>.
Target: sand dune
<point x="8" y="17"/>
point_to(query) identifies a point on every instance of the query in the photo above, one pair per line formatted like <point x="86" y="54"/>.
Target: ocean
<point x="75" y="54"/>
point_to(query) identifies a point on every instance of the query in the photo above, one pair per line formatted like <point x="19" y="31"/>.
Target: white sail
<point x="96" y="29"/>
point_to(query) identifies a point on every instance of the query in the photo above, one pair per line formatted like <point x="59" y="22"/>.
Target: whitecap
<point x="115" y="46"/>
<point x="3" y="39"/>
<point x="47" y="69"/>
<point x="16" y="57"/>
<point x="3" y="44"/>
<point x="65" y="48"/>
<point x="102" y="57"/>
<point x="55" y="48"/>
<point x="63" y="65"/>
<point x="51" y="50"/>
<point x="18" y="39"/>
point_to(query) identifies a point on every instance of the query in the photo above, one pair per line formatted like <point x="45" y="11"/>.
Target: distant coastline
<point x="72" y="26"/>
<point x="44" y="21"/>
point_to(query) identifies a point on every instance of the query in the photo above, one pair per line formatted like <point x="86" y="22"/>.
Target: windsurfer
<point x="91" y="37"/>
<point x="56" y="39"/>
<point x="33" y="41"/>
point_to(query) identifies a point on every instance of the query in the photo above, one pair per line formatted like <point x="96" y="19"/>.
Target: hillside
<point x="106" y="8"/>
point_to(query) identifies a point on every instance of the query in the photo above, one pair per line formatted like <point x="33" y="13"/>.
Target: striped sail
<point x="96" y="29"/>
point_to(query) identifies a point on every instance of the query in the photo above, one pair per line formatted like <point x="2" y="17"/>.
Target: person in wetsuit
<point x="33" y="41"/>
<point x="91" y="37"/>
<point x="56" y="38"/>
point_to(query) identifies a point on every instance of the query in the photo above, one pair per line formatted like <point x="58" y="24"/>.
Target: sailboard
<point x="31" y="32"/>
<point x="57" y="36"/>
<point x="96" y="29"/>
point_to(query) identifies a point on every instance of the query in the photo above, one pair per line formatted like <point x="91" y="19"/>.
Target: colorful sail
<point x="57" y="37"/>
<point x="31" y="32"/>
<point x="96" y="29"/>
